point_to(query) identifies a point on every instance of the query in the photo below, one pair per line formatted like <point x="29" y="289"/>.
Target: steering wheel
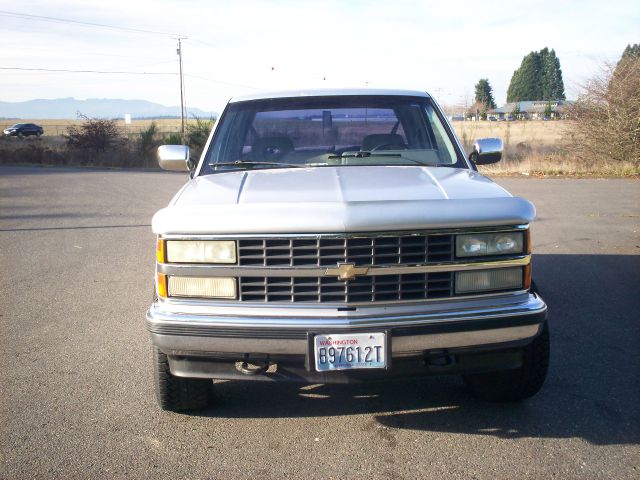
<point x="389" y="146"/>
<point x="271" y="153"/>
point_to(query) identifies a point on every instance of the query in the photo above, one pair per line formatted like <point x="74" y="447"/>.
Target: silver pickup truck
<point x="342" y="236"/>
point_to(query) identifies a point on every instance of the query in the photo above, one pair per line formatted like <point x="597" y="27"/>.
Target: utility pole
<point x="182" y="110"/>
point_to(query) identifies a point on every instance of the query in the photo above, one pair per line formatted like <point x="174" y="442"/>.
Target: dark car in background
<point x="24" y="130"/>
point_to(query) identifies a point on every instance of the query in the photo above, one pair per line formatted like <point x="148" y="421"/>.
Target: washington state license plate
<point x="350" y="351"/>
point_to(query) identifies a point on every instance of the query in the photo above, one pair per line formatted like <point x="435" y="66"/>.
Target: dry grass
<point x="560" y="165"/>
<point x="518" y="137"/>
<point x="538" y="148"/>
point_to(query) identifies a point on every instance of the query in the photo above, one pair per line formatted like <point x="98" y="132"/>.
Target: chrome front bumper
<point x="223" y="331"/>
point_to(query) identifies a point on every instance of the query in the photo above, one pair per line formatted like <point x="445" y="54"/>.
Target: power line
<point x="220" y="81"/>
<point x="66" y="70"/>
<point x="124" y="72"/>
<point x="43" y="18"/>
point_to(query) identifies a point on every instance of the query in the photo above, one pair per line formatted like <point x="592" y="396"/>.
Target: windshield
<point x="330" y="131"/>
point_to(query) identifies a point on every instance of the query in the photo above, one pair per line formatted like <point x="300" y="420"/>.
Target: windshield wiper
<point x="367" y="154"/>
<point x="240" y="163"/>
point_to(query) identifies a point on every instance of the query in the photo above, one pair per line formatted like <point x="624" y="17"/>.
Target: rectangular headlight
<point x="488" y="280"/>
<point x="209" y="287"/>
<point x="481" y="244"/>
<point x="201" y="251"/>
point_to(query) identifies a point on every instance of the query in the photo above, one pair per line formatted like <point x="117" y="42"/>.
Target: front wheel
<point x="518" y="384"/>
<point x="176" y="393"/>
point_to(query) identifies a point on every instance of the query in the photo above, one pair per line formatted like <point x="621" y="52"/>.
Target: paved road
<point x="76" y="256"/>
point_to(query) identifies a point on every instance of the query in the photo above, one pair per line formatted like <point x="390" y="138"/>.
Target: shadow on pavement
<point x="592" y="391"/>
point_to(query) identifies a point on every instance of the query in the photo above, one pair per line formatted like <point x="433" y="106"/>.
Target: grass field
<point x="534" y="134"/>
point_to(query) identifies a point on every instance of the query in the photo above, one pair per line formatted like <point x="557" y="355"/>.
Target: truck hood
<point x="339" y="199"/>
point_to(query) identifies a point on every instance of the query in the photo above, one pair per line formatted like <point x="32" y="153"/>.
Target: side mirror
<point x="174" y="158"/>
<point x="486" y="151"/>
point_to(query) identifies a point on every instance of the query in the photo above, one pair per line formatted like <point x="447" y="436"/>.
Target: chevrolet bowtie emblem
<point x="346" y="271"/>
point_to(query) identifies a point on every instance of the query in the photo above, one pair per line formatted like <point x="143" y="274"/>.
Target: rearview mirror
<point x="174" y="158"/>
<point x="486" y="151"/>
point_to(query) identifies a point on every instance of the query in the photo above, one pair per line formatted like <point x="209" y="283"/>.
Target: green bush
<point x="148" y="143"/>
<point x="197" y="134"/>
<point x="172" y="139"/>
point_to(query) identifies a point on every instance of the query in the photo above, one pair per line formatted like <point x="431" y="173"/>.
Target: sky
<point x="242" y="46"/>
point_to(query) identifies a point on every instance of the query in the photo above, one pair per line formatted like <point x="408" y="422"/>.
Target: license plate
<point x="350" y="351"/>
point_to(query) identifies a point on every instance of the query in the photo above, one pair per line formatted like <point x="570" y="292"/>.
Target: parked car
<point x="337" y="237"/>
<point x="24" y="130"/>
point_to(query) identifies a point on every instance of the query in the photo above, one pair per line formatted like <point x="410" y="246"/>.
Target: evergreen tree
<point x="526" y="81"/>
<point x="484" y="94"/>
<point x="538" y="78"/>
<point x="548" y="110"/>
<point x="552" y="84"/>
<point x="632" y="51"/>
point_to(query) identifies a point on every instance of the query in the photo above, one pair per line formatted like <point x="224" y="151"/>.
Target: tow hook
<point x="439" y="360"/>
<point x="254" y="368"/>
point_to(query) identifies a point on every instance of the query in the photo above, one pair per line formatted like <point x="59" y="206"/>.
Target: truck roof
<point x="328" y="93"/>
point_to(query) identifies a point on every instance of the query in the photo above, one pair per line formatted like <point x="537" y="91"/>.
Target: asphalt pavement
<point x="76" y="392"/>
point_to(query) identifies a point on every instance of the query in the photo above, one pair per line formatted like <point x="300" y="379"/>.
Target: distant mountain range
<point x="68" y="108"/>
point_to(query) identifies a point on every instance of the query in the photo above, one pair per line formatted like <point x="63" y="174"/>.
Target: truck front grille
<point x="385" y="250"/>
<point x="380" y="288"/>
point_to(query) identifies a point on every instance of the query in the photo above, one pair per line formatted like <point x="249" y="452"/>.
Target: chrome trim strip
<point x="392" y="233"/>
<point x="238" y="271"/>
<point x="186" y="345"/>
<point x="177" y="304"/>
<point x="530" y="306"/>
<point x="419" y="343"/>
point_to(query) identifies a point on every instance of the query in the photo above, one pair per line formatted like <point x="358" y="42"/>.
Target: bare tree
<point x="605" y="120"/>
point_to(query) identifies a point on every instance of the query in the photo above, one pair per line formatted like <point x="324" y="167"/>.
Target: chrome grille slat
<point x="361" y="289"/>
<point x="363" y="251"/>
<point x="379" y="251"/>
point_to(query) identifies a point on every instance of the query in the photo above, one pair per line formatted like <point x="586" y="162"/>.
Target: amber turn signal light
<point x="527" y="276"/>
<point x="161" y="285"/>
<point x="160" y="256"/>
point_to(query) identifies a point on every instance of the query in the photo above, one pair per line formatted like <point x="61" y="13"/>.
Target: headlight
<point x="476" y="245"/>
<point x="201" y="251"/>
<point x="488" y="280"/>
<point x="208" y="287"/>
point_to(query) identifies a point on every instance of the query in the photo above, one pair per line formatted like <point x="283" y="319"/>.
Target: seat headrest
<point x="270" y="148"/>
<point x="378" y="139"/>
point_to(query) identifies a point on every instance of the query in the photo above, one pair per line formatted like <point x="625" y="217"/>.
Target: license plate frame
<point x="380" y="338"/>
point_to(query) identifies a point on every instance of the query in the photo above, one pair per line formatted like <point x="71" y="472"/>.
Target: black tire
<point x="178" y="394"/>
<point x="515" y="385"/>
